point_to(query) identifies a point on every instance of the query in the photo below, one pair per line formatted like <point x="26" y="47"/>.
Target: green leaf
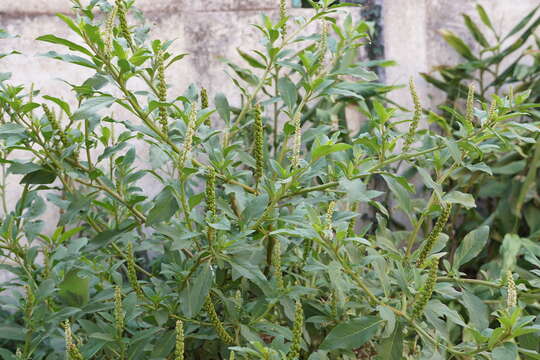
<point x="401" y="194"/>
<point x="90" y="107"/>
<point x="63" y="105"/>
<point x="506" y="351"/>
<point x="522" y="23"/>
<point x="255" y="208"/>
<point x="475" y="31"/>
<point x="288" y="92"/>
<point x="12" y="131"/>
<point x="71" y="45"/>
<point x="477" y="310"/>
<point x="356" y="190"/>
<point x="509" y="250"/>
<point x="251" y="60"/>
<point x="41" y="176"/>
<point x="454" y="150"/>
<point x="457" y="197"/>
<point x="222" y="107"/>
<point x="391" y="348"/>
<point x="458" y="44"/>
<point x="471" y="246"/>
<point x="352" y="334"/>
<point x="510" y="169"/>
<point x="72" y="59"/>
<point x="484" y="16"/>
<point x="165" y="207"/>
<point x="196" y="290"/>
<point x="323" y="150"/>
<point x="12" y="332"/>
<point x="479" y="167"/>
<point x="74" y="289"/>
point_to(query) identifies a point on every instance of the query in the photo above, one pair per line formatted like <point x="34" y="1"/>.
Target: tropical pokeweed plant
<point x="505" y="65"/>
<point x="252" y="239"/>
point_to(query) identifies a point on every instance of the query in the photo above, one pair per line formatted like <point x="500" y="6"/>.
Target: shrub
<point x="501" y="66"/>
<point x="253" y="248"/>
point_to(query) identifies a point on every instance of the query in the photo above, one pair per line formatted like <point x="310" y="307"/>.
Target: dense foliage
<point x="507" y="195"/>
<point x="276" y="232"/>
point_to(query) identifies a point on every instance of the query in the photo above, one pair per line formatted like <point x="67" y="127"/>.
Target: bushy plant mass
<point x="277" y="232"/>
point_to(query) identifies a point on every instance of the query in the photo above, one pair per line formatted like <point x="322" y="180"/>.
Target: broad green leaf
<point x="222" y="107"/>
<point x="471" y="245"/>
<point x="479" y="167"/>
<point x="506" y="351"/>
<point x="401" y="194"/>
<point x="457" y="197"/>
<point x="510" y="169"/>
<point x="74" y="289"/>
<point x="356" y="190"/>
<point x="12" y="332"/>
<point x="477" y="310"/>
<point x="288" y="92"/>
<point x="323" y="150"/>
<point x="165" y="206"/>
<point x="255" y="208"/>
<point x="352" y="334"/>
<point x="509" y="251"/>
<point x="391" y="348"/>
<point x="196" y="289"/>
<point x="90" y="107"/>
<point x="41" y="176"/>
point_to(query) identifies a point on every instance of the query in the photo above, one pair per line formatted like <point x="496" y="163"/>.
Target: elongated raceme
<point x="216" y="323"/>
<point x="122" y="19"/>
<point x="427" y="290"/>
<point x="282" y="16"/>
<point x="204" y="105"/>
<point x="180" y="345"/>
<point x="329" y="223"/>
<point x="108" y="35"/>
<point x="72" y="351"/>
<point x="413" y="126"/>
<point x="55" y="125"/>
<point x="297" y="141"/>
<point x="118" y="312"/>
<point x="238" y="302"/>
<point x="162" y="92"/>
<point x="296" y="346"/>
<point x="30" y="302"/>
<point x="323" y="46"/>
<point x="211" y="202"/>
<point x="434" y="235"/>
<point x="469" y="114"/>
<point x="511" y="295"/>
<point x="231" y="356"/>
<point x="276" y="263"/>
<point x="190" y="133"/>
<point x="132" y="273"/>
<point x="351" y="231"/>
<point x="492" y="112"/>
<point x="259" y="144"/>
